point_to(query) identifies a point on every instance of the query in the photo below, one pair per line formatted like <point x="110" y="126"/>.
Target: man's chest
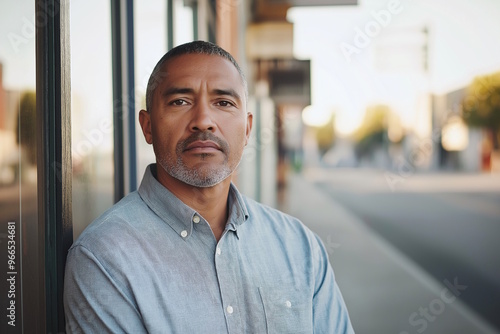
<point x="225" y="287"/>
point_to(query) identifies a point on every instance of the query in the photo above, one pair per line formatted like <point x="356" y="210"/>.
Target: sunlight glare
<point x="316" y="116"/>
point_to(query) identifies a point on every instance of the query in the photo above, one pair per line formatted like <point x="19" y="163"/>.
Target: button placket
<point x="228" y="284"/>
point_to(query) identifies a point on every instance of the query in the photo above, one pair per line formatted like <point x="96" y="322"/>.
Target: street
<point x="448" y="224"/>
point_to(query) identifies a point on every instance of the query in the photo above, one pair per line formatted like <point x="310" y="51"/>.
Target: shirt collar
<point x="238" y="213"/>
<point x="177" y="214"/>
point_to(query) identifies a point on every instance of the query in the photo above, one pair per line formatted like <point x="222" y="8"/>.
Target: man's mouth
<point x="200" y="146"/>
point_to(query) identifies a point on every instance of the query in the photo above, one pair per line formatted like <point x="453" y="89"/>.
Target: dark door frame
<point x="53" y="87"/>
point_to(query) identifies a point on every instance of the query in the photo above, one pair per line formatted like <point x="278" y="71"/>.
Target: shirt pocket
<point x="286" y="311"/>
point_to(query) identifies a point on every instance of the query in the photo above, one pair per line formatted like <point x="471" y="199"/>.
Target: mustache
<point x="203" y="136"/>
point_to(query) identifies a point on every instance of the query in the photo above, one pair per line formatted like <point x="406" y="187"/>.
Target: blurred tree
<point x="26" y="138"/>
<point x="481" y="106"/>
<point x="373" y="130"/>
<point x="325" y="136"/>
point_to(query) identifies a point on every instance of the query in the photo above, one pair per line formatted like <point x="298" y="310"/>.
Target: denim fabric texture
<point x="151" y="264"/>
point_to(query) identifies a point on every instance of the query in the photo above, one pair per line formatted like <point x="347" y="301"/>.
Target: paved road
<point x="448" y="224"/>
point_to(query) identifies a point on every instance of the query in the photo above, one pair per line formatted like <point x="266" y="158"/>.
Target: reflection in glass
<point x="18" y="171"/>
<point x="150" y="44"/>
<point x="92" y="115"/>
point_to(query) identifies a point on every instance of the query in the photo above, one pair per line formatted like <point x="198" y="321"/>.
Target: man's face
<point x="198" y="124"/>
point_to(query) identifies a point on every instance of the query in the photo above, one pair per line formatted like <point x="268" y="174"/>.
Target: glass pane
<point x="150" y="44"/>
<point x="92" y="111"/>
<point x="18" y="169"/>
<point x="183" y="24"/>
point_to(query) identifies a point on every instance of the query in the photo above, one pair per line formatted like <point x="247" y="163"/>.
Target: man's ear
<point x="145" y="121"/>
<point x="249" y="127"/>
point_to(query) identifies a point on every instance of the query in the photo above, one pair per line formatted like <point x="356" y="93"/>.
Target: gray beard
<point x="209" y="177"/>
<point x="193" y="177"/>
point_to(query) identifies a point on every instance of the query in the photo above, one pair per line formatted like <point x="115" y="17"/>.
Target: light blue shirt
<point x="151" y="264"/>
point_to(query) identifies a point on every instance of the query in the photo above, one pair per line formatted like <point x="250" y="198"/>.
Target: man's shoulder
<point x="119" y="219"/>
<point x="257" y="208"/>
<point x="264" y="216"/>
<point x="287" y="232"/>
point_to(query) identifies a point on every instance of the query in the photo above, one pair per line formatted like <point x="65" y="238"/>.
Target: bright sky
<point x="463" y="43"/>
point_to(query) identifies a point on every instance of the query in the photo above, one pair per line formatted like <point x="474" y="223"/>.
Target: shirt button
<point x="288" y="304"/>
<point x="196" y="219"/>
<point x="218" y="251"/>
<point x="229" y="309"/>
<point x="184" y="233"/>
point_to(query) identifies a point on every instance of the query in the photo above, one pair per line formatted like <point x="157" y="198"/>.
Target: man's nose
<point x="202" y="118"/>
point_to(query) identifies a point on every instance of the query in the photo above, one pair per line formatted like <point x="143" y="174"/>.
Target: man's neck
<point x="209" y="202"/>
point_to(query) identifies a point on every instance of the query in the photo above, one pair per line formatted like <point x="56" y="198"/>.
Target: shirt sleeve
<point x="329" y="311"/>
<point x="93" y="301"/>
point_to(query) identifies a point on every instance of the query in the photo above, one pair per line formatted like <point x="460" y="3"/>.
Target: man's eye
<point x="178" y="102"/>
<point x="224" y="103"/>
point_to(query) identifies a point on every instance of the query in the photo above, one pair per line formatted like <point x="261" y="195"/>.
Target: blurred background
<point x="376" y="122"/>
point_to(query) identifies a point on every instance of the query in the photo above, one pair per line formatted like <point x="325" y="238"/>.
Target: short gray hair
<point x="196" y="47"/>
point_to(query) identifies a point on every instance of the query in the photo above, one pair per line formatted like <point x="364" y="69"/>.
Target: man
<point x="187" y="253"/>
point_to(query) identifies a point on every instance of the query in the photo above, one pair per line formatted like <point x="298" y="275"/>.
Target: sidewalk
<point x="385" y="291"/>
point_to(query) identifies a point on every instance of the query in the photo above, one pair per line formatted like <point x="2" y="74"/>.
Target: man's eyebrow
<point x="185" y="90"/>
<point x="228" y="92"/>
<point x="177" y="90"/>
